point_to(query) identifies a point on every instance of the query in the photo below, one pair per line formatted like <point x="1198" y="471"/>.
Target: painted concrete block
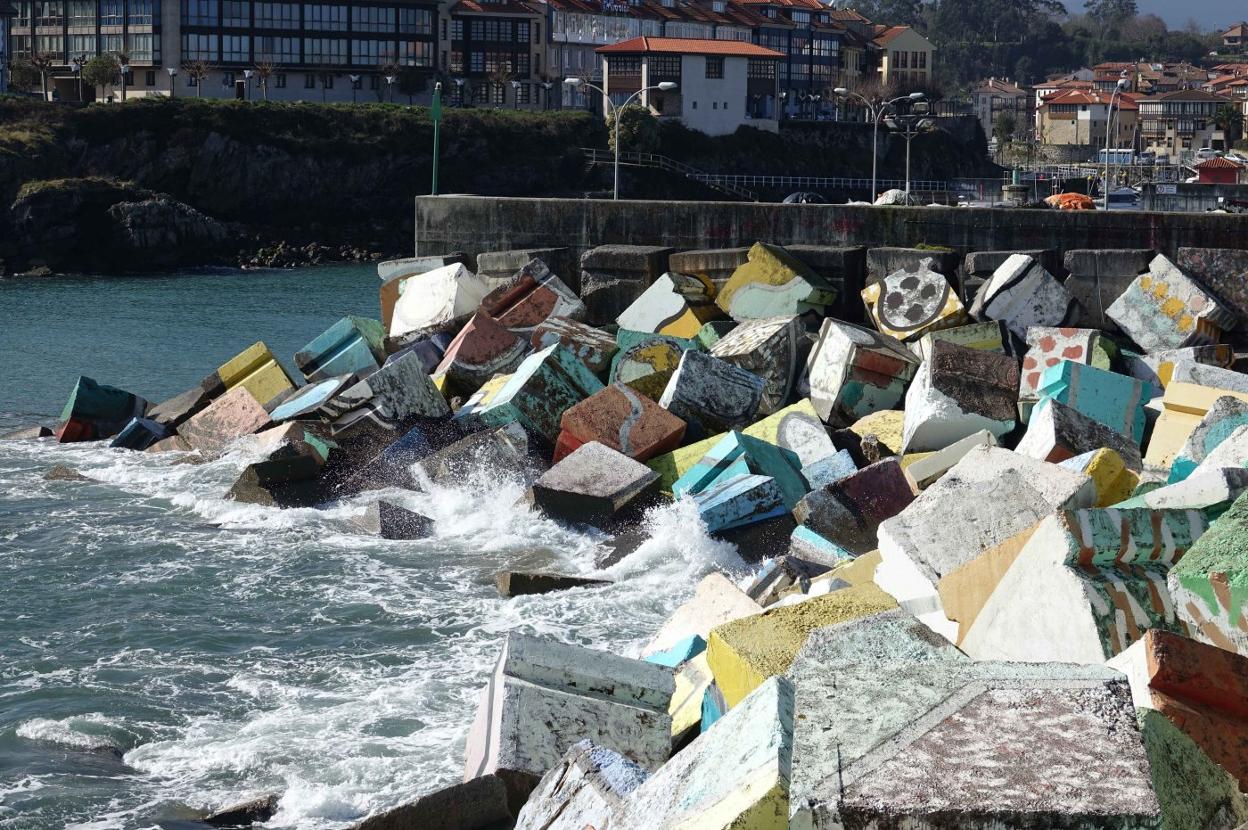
<point x="1157" y="368"/>
<point x="482" y="349"/>
<point x="883" y="261"/>
<point x="1223" y="418"/>
<point x="923" y="746"/>
<point x="965" y="590"/>
<point x="886" y="427"/>
<point x="957" y="393"/>
<point x="855" y="371"/>
<point x="646" y="362"/>
<point x="737" y="501"/>
<point x="767" y="347"/>
<point x="593" y="347"/>
<point x="908" y="304"/>
<point x="388" y="399"/>
<point x="140" y="434"/>
<point x="96" y="411"/>
<point x="1209" y="586"/>
<point x="470" y="805"/>
<point x="352" y="346"/>
<point x="773" y="283"/>
<point x="989" y="496"/>
<point x="1086" y="586"/>
<point x="1183" y="407"/>
<point x="744" y="653"/>
<point x="735" y="777"/>
<point x="436" y="298"/>
<point x="310" y="400"/>
<point x="1113" y="479"/>
<point x="257" y="369"/>
<point x="1114" y="400"/>
<point x="508" y="452"/>
<point x="979" y="266"/>
<point x="927" y="470"/>
<point x="714" y="331"/>
<point x="784" y="574"/>
<point x="715" y="264"/>
<point x="805" y="543"/>
<point x="713" y="706"/>
<point x="1022" y="294"/>
<point x="1165" y="309"/>
<point x="497" y="267"/>
<point x="1098" y="277"/>
<point x="545" y="696"/>
<point x="592" y="484"/>
<point x="1201" y="689"/>
<point x="613" y="276"/>
<point x="622" y="419"/>
<point x="692" y="680"/>
<point x="829" y="469"/>
<point x="716" y="600"/>
<point x="888" y="637"/>
<point x="711" y="395"/>
<point x="586" y="788"/>
<point x="1223" y="271"/>
<point x="228" y="418"/>
<point x="735" y="454"/>
<point x="675" y="304"/>
<point x="176" y="410"/>
<point x="1046" y="347"/>
<point x="530" y="297"/>
<point x="387" y="520"/>
<point x="848" y="512"/>
<point x="395" y="273"/>
<point x="989" y="336"/>
<point x="1210" y="491"/>
<point x="543" y="387"/>
<point x="1058" y="432"/>
<point x="1190" y="371"/>
<point x="680" y="653"/>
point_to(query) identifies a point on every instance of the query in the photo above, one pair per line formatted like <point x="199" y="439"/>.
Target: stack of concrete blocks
<point x="1223" y="417"/>
<point x="498" y="267"/>
<point x="957" y="393"/>
<point x="979" y="267"/>
<point x="988" y="744"/>
<point x="533" y="295"/>
<point x="592" y="484"/>
<point x="1098" y="277"/>
<point x="942" y="555"/>
<point x="352" y="346"/>
<point x="622" y="419"/>
<point x="1183" y="407"/>
<point x="988" y="336"/>
<point x="1165" y="309"/>
<point x="225" y="420"/>
<point x="1058" y="433"/>
<point x="845" y="269"/>
<point x="436" y="301"/>
<point x="767" y="347"/>
<point x="482" y="349"/>
<point x="854" y="372"/>
<point x="741" y="481"/>
<point x="773" y="283"/>
<point x="1086" y="585"/>
<point x="1046" y="347"/>
<point x="908" y="304"/>
<point x="646" y="362"/>
<point x="1208" y="586"/>
<point x="96" y="411"/>
<point x="614" y="276"/>
<point x="848" y="512"/>
<point x="1115" y="400"/>
<point x="593" y="347"/>
<point x="544" y="697"/>
<point x="543" y="386"/>
<point x="1022" y="294"/>
<point x="711" y="395"/>
<point x="395" y="273"/>
<point x="676" y="304"/>
<point x="587" y="788"/>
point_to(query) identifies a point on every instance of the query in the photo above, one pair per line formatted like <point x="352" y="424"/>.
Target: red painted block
<point x="624" y="420"/>
<point x="532" y="296"/>
<point x="565" y="445"/>
<point x="482" y="349"/>
<point x="76" y="429"/>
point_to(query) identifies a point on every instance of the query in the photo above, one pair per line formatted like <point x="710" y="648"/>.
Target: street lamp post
<point x="1109" y="118"/>
<point x="390" y="79"/>
<point x="876" y="110"/>
<point x="664" y="86"/>
<point x="459" y="91"/>
<point x="515" y="95"/>
<point x="125" y="73"/>
<point x="546" y="85"/>
<point x="247" y="73"/>
<point x="908" y="126"/>
<point x="355" y="83"/>
<point x="78" y="61"/>
<point x="173" y="76"/>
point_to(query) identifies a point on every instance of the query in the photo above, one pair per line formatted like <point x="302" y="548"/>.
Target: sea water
<point x="164" y="651"/>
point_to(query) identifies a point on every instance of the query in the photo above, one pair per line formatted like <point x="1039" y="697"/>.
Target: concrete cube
<point x="508" y="452"/>
<point x="738" y="501"/>
<point x="520" y="583"/>
<point x="497" y="267"/>
<point x="716" y="600"/>
<point x="646" y="362"/>
<point x="27" y="434"/>
<point x="773" y="283"/>
<point x="1183" y="406"/>
<point x="140" y="434"/>
<point x="1207" y="585"/>
<point x="887" y="637"/>
<point x="1156" y="368"/>
<point x="586" y="789"/>
<point x="622" y="419"/>
<point x="767" y="347"/>
<point x="1058" y="432"/>
<point x="848" y="512"/>
<point x="957" y="393"/>
<point x="228" y="418"/>
<point x="979" y="266"/>
<point x="927" y="470"/>
<point x="854" y="372"/>
<point x="478" y="804"/>
<point x="533" y="295"/>
<point x="310" y="400"/>
<point x="257" y="369"/>
<point x="483" y="348"/>
<point x="716" y="264"/>
<point x="1022" y="294"/>
<point x="711" y="395"/>
<point x="1113" y="480"/>
<point x="387" y="520"/>
<point x="989" y="336"/>
<point x="594" y="348"/>
<point x="352" y="346"/>
<point x="674" y="304"/>
<point x="387" y="399"/>
<point x="910" y="303"/>
<point x="395" y="273"/>
<point x="436" y="299"/>
<point x="96" y="411"/>
<point x="885" y="261"/>
<point x="1046" y="347"/>
<point x="614" y="276"/>
<point x="736" y="454"/>
<point x="1221" y="419"/>
<point x="1165" y="309"/>
<point x="1223" y="271"/>
<point x="592" y="484"/>
<point x="1098" y="277"/>
<point x="1203" y="374"/>
<point x="1115" y="400"/>
<point x="829" y="469"/>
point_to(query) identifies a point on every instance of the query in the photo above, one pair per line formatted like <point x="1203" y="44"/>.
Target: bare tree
<point x="389" y="70"/>
<point x="500" y="77"/>
<point x="265" y="69"/>
<point x="198" y="71"/>
<point x="43" y="65"/>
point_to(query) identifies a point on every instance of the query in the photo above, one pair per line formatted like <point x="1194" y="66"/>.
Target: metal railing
<point x="670" y="165"/>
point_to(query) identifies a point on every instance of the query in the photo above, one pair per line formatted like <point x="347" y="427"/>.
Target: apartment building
<point x="1177" y="124"/>
<point x="1235" y="39"/>
<point x="1078" y="119"/>
<point x="495" y="53"/>
<point x="6" y="18"/>
<point x="905" y="57"/>
<point x="997" y="96"/>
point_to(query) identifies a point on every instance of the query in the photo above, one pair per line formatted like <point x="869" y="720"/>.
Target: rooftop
<point x="687" y="46"/>
<point x="1219" y="163"/>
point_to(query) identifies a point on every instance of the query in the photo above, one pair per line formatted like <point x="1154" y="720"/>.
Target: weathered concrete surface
<point x="890" y="636"/>
<point x="591" y="346"/>
<point x="518" y="583"/>
<point x="711" y="395"/>
<point x="744" y="653"/>
<point x="483" y="348"/>
<point x="781" y="574"/>
<point x="244" y="814"/>
<point x="855" y="371"/>
<point x="1022" y="294"/>
<point x="351" y="346"/>
<point x="1184" y="405"/>
<point x="1098" y="276"/>
<point x="614" y="276"/>
<point x="716" y="265"/>
<point x="96" y="411"/>
<point x="1156" y="368"/>
<point x="175" y="443"/>
<point x="773" y="283"/>
<point x="734" y="454"/>
<point x="530" y="297"/>
<point x="309" y="400"/>
<point x="1087" y="584"/>
<point x="910" y="303"/>
<point x="388" y="399"/>
<point x="979" y="266"/>
<point x="988" y="336"/>
<point x="545" y="696"/>
<point x="479" y="804"/>
<point x="849" y="511"/>
<point x="233" y="415"/>
<point x="1222" y="418"/>
<point x="1209" y="586"/>
<point x="1202" y="374"/>
<point x="394" y="274"/>
<point x="586" y="789"/>
<point x="1166" y="309"/>
<point x="646" y="362"/>
<point x="140" y="434"/>
<point x="715" y="601"/>
<point x="622" y="419"/>
<point x="888" y="260"/>
<point x="498" y="266"/>
<point x="693" y="679"/>
<point x="1209" y="490"/>
<point x="505" y="451"/>
<point x="1200" y="688"/>
<point x="592" y="484"/>
<point x="767" y="347"/>
<point x="1058" y="432"/>
<point x="734" y="777"/>
<point x="436" y="298"/>
<point x="387" y="520"/>
<point x="674" y="304"/>
<point x="1046" y="346"/>
<point x="1113" y="479"/>
<point x="682" y="652"/>
<point x="884" y="429"/>
<point x="829" y="469"/>
<point x="1224" y="271"/>
<point x="927" y="470"/>
<point x="957" y="393"/>
<point x="1115" y="400"/>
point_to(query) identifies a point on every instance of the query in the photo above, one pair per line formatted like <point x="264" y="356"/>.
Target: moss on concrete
<point x="1194" y="792"/>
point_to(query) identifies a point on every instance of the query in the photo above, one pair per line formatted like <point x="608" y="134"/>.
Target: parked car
<point x="1206" y="153"/>
<point x="804" y="197"/>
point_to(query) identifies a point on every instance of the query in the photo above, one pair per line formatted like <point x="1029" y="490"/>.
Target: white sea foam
<point x="92" y="732"/>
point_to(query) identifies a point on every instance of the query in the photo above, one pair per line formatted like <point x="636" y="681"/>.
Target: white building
<point x="721" y="84"/>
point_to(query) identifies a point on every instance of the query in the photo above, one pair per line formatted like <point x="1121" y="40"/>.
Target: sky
<point x="1210" y="14"/>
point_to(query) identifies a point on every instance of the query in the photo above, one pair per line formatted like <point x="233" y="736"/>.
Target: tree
<point x="23" y="74"/>
<point x="198" y="71"/>
<point x="1110" y="14"/>
<point x="42" y="64"/>
<point x="500" y="77"/>
<point x="1230" y="121"/>
<point x="639" y="129"/>
<point x="892" y="12"/>
<point x="100" y="71"/>
<point x="123" y="60"/>
<point x="388" y="68"/>
<point x="1005" y="127"/>
<point x="265" y="70"/>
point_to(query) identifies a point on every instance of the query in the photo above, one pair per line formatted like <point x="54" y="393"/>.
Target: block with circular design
<point x="908" y="304"/>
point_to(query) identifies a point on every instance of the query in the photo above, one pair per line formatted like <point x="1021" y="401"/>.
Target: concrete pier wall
<point x="482" y="223"/>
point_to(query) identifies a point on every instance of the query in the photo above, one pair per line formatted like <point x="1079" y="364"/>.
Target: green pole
<point x="437" y="122"/>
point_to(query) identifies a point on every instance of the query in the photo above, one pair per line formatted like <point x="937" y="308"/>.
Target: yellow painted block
<point x="1183" y="407"/>
<point x="256" y="370"/>
<point x="860" y="571"/>
<point x="964" y="590"/>
<point x="767" y="265"/>
<point x="886" y="425"/>
<point x="914" y="315"/>
<point x="911" y="457"/>
<point x="1109" y="474"/>
<point x="743" y="653"/>
<point x="688" y="324"/>
<point x="761" y="803"/>
<point x="692" y="680"/>
<point x="439" y="382"/>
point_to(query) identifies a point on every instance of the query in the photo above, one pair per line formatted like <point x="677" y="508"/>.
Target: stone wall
<point x="1193" y="197"/>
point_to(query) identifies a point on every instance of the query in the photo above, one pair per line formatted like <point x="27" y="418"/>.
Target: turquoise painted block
<point x="352" y="345"/>
<point x="1224" y="417"/>
<point x="646" y="361"/>
<point x="543" y="387"/>
<point x="829" y="469"/>
<point x="806" y="543"/>
<point x="739" y="501"/>
<point x="685" y="650"/>
<point x="737" y="454"/>
<point x="101" y="404"/>
<point x="1115" y="400"/>
<point x="713" y="707"/>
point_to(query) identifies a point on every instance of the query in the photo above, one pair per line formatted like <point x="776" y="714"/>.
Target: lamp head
<point x="572" y="81"/>
<point x="1122" y="84"/>
<point x="917" y="96"/>
<point x="840" y="90"/>
<point x="667" y="86"/>
<point x="390" y="78"/>
<point x="172" y="70"/>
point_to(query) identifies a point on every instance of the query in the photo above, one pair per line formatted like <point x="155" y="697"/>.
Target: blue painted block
<point x="686" y="649"/>
<point x="1115" y="400"/>
<point x="740" y="501"/>
<point x="808" y="544"/>
<point x="737" y="454"/>
<point x="309" y="399"/>
<point x="140" y="434"/>
<point x="352" y="346"/>
<point x="829" y="469"/>
<point x="714" y="706"/>
<point x="431" y="351"/>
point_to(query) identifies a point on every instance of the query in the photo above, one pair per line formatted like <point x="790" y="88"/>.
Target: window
<point x="227" y="79"/>
<point x="415" y="53"/>
<point x="22" y="20"/>
<point x="324" y="50"/>
<point x="236" y="13"/>
<point x="49" y="12"/>
<point x="901" y="60"/>
<point x="80" y="45"/>
<point x="714" y="66"/>
<point x="695" y="105"/>
<point x="236" y="48"/>
<point x="416" y="21"/>
<point x="371" y="52"/>
<point x="800" y="17"/>
<point x="53" y="45"/>
<point x="664" y="66"/>
<point x="522" y="31"/>
<point x="457" y="61"/>
<point x="325" y="17"/>
<point x="81" y="13"/>
<point x="498" y="94"/>
<point x="277" y="16"/>
<point x="197" y="12"/>
<point x="279" y="80"/>
<point x="922" y="63"/>
<point x="139" y="13"/>
<point x="761" y="68"/>
<point x="191" y="82"/>
<point x="199" y="47"/>
<point x="457" y="30"/>
<point x="522" y="94"/>
<point x="372" y="19"/>
<point x="149" y="78"/>
<point x="309" y="81"/>
<point x="714" y="105"/>
<point x="374" y="82"/>
<point x="277" y="49"/>
<point x="623" y="65"/>
<point x="111" y="43"/>
<point x="476" y="62"/>
<point x="140" y="48"/>
<point x="110" y="13"/>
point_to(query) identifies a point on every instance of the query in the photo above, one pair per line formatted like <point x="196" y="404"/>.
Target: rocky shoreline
<point x="996" y="509"/>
